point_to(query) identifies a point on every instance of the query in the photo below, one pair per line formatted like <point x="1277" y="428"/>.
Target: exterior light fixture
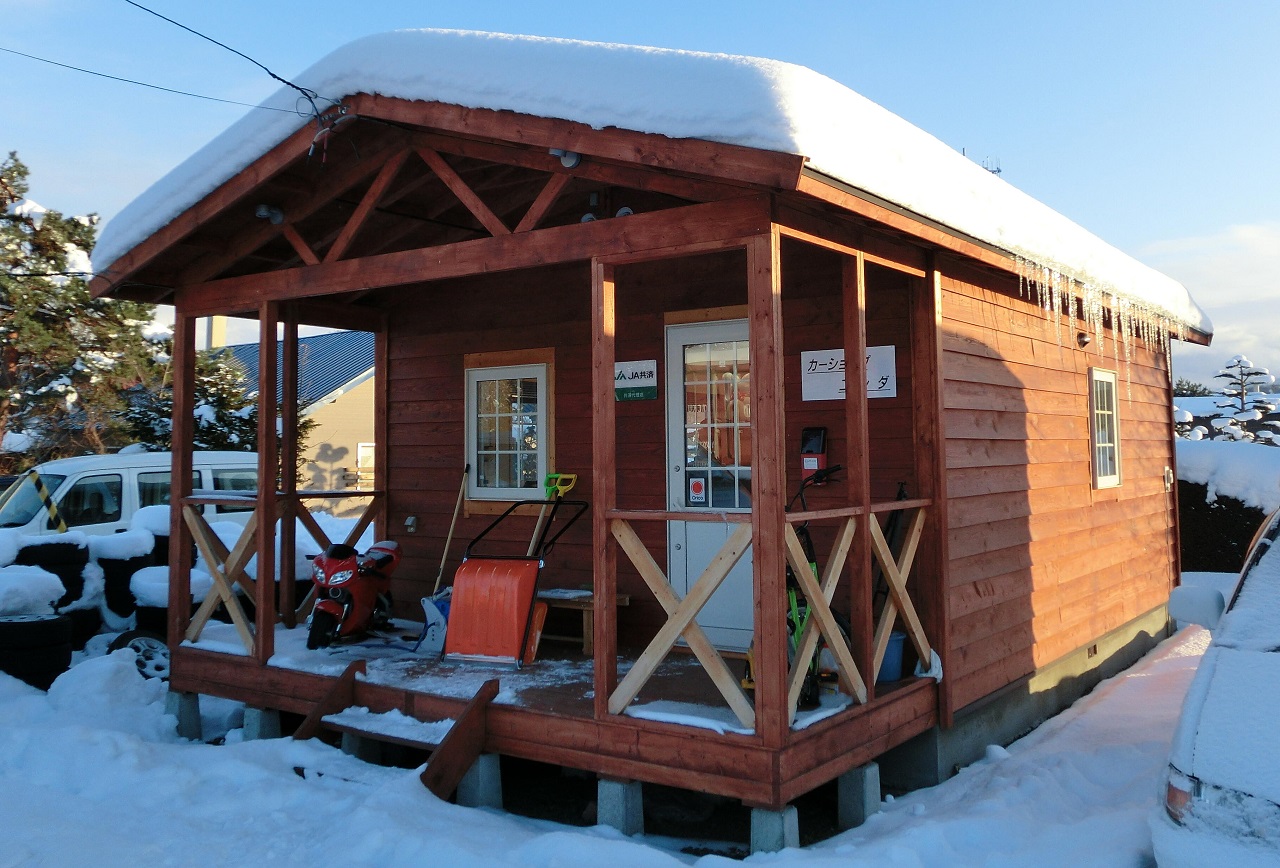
<point x="1082" y="338"/>
<point x="568" y="159"/>
<point x="270" y="212"/>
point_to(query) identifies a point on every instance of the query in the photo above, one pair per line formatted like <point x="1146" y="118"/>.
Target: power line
<point x="307" y="92"/>
<point x="142" y="83"/>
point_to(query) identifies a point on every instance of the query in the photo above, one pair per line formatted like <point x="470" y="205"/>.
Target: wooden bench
<point x="580" y="600"/>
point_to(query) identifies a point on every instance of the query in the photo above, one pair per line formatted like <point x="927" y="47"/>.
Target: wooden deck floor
<point x="678" y="732"/>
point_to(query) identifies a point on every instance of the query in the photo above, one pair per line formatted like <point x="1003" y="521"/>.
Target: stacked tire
<point x="35" y="648"/>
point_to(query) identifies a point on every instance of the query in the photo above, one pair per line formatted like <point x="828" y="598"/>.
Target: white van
<point x="99" y="494"/>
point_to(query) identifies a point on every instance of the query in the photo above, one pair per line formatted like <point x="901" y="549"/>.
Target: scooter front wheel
<point x="323" y="625"/>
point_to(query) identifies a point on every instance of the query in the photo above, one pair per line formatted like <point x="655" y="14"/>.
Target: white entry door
<point x="709" y="465"/>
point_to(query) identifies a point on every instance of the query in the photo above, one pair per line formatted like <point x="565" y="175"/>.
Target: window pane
<point x="94" y="500"/>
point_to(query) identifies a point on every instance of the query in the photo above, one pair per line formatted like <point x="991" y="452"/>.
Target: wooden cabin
<point x="565" y="277"/>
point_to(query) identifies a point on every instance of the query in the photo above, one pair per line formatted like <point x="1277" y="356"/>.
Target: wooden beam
<point x="768" y="486"/>
<point x="671" y="182"/>
<point x="304" y="251"/>
<point x="181" y="440"/>
<point x="542" y="204"/>
<point x="465" y="194"/>
<point x="341" y="695"/>
<point x="367" y="203"/>
<point x="929" y="440"/>
<point x="853" y="276"/>
<point x="331" y="314"/>
<point x="730" y="219"/>
<point x="461" y="747"/>
<point x="261" y="170"/>
<point x="289" y="465"/>
<point x="693" y="634"/>
<point x="768" y="169"/>
<point x="268" y="468"/>
<point x="604" y="483"/>
<point x="850" y="236"/>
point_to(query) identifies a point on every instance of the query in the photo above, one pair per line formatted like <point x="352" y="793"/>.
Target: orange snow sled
<point x="493" y="615"/>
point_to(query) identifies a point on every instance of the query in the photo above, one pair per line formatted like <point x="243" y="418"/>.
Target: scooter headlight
<point x="341" y="577"/>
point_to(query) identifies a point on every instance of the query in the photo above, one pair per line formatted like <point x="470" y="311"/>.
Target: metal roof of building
<point x="327" y="364"/>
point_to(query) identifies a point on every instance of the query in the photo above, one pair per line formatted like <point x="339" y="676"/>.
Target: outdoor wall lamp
<point x="568" y="159"/>
<point x="270" y="212"/>
<point x="1082" y="338"/>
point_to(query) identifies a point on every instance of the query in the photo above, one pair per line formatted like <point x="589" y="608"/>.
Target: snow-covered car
<point x="1221" y="793"/>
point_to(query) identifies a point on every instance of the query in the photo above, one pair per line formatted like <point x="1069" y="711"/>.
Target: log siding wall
<point x="1041" y="563"/>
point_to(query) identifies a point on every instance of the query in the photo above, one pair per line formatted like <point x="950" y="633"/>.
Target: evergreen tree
<point x="64" y="356"/>
<point x="1243" y="406"/>
<point x="1185" y="388"/>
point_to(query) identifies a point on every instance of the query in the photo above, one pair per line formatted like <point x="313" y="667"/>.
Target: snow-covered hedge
<point x="1249" y="472"/>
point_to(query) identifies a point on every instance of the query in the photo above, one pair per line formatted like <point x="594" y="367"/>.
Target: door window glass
<point x="717" y="402"/>
<point x="92" y="500"/>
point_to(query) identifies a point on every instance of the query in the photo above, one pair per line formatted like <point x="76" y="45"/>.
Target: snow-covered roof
<point x="748" y="101"/>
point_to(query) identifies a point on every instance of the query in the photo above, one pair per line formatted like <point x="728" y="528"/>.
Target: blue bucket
<point x="891" y="665"/>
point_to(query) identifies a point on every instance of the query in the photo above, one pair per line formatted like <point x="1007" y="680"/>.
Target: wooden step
<point x="454" y="749"/>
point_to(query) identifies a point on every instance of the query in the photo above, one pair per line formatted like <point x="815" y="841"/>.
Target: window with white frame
<point x="1105" y="416"/>
<point x="507" y="433"/>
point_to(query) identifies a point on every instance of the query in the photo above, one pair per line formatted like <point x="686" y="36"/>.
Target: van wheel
<point x="152" y="651"/>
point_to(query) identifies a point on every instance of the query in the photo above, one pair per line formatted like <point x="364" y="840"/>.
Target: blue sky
<point x="1153" y="124"/>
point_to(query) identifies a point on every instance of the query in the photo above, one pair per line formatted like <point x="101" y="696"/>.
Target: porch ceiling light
<point x="270" y="212"/>
<point x="568" y="159"/>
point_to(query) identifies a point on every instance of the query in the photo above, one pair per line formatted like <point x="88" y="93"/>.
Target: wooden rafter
<point x="465" y="194"/>
<point x="715" y="222"/>
<point x="299" y="244"/>
<point x="325" y="189"/>
<point x="370" y="199"/>
<point x="541" y="205"/>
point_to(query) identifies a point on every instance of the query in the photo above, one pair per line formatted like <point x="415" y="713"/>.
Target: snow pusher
<point x="493" y="613"/>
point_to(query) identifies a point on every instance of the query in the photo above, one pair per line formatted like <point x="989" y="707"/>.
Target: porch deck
<point x="679" y="732"/>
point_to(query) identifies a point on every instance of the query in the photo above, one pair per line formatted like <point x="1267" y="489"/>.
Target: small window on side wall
<point x="1105" y="436"/>
<point x="507" y="431"/>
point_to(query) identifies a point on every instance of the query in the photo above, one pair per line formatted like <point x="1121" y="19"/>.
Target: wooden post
<point x="931" y="466"/>
<point x="381" y="387"/>
<point x="604" y="481"/>
<point x="768" y="478"/>
<point x="184" y="378"/>
<point x="268" y="469"/>
<point x="289" y="464"/>
<point x="858" y="460"/>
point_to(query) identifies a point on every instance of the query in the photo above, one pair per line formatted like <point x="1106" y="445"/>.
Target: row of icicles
<point x="1063" y="298"/>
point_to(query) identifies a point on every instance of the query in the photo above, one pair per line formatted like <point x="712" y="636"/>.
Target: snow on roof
<point x="748" y="101"/>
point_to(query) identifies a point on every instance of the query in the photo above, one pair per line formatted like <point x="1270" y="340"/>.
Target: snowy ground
<point x="96" y="774"/>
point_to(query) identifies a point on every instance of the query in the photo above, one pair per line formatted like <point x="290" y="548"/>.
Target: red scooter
<point x="353" y="591"/>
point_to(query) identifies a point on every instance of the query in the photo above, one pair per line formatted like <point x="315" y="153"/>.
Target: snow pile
<point x="122" y="546"/>
<point x="747" y="101"/>
<point x="28" y="591"/>
<point x="1249" y="472"/>
<point x="152" y="519"/>
<point x="150" y="586"/>
<point x="393" y="723"/>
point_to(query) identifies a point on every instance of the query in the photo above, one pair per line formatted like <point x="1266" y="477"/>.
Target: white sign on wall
<point x="822" y="374"/>
<point x="635" y="381"/>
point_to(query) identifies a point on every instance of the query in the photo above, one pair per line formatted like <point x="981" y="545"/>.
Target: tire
<point x="65" y="560"/>
<point x="323" y="625"/>
<point x="152" y="651"/>
<point x="38" y="666"/>
<point x="34" y="631"/>
<point x="85" y="624"/>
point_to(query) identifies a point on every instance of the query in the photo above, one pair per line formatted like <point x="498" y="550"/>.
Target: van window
<point x="242" y="480"/>
<point x="93" y="500"/>
<point x="21" y="502"/>
<point x="153" y="487"/>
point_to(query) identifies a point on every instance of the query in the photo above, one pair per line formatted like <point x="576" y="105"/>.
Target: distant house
<point x="336" y="390"/>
